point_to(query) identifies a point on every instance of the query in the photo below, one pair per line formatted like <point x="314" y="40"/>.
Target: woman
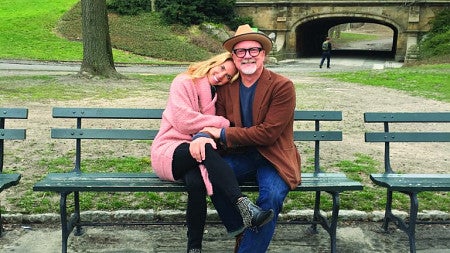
<point x="190" y="108"/>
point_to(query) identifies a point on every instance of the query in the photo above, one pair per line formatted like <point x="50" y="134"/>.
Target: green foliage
<point x="194" y="12"/>
<point x="437" y="41"/>
<point x="182" y="12"/>
<point x="441" y="23"/>
<point x="436" y="44"/>
<point x="238" y="20"/>
<point x="128" y="7"/>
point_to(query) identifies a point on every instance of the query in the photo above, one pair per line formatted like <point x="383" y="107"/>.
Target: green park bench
<point x="409" y="184"/>
<point x="8" y="180"/>
<point x="78" y="181"/>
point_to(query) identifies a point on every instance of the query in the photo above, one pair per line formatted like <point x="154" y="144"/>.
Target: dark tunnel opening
<point x="311" y="34"/>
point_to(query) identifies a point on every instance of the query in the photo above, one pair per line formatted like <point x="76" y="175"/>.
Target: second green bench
<point x="407" y="183"/>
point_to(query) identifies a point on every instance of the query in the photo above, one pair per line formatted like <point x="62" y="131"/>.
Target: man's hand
<point x="197" y="148"/>
<point x="214" y="131"/>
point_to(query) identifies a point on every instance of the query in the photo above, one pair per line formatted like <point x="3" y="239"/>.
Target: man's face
<point x="246" y="63"/>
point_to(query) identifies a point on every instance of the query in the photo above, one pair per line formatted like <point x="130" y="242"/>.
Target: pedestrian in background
<point x="326" y="52"/>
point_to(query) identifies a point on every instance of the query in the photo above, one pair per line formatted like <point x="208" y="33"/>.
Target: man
<point x="326" y="52"/>
<point x="259" y="143"/>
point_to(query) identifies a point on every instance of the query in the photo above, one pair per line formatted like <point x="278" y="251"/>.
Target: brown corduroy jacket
<point x="272" y="130"/>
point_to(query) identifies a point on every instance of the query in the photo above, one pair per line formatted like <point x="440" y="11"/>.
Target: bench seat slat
<point x="111" y="134"/>
<point x="63" y="182"/>
<point x="413" y="182"/>
<point x="8" y="180"/>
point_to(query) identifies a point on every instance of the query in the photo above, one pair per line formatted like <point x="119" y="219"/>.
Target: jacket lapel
<point x="260" y="94"/>
<point x="236" y="103"/>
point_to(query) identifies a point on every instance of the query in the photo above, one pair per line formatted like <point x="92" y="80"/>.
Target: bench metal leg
<point x="408" y="227"/>
<point x="78" y="230"/>
<point x="388" y="211"/>
<point x="334" y="220"/>
<point x="316" y="215"/>
<point x="329" y="225"/>
<point x="411" y="228"/>
<point x="65" y="230"/>
<point x="68" y="224"/>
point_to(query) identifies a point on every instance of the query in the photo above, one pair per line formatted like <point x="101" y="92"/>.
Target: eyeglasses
<point x="253" y="51"/>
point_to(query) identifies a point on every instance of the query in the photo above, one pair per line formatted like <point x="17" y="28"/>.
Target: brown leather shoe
<point x="238" y="242"/>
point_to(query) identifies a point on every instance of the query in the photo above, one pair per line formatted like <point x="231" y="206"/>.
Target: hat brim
<point x="265" y="42"/>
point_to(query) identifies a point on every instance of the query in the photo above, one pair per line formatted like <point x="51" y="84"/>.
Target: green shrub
<point x="194" y="12"/>
<point x="238" y="20"/>
<point x="129" y="7"/>
<point x="437" y="41"/>
<point x="438" y="44"/>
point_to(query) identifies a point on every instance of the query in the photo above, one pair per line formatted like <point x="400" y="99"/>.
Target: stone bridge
<point x="298" y="27"/>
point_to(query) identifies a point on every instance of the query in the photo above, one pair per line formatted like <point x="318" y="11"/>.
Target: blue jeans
<point x="272" y="192"/>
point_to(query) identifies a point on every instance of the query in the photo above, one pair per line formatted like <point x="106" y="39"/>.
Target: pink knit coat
<point x="189" y="108"/>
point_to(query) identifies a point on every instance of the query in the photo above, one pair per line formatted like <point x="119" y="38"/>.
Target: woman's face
<point x="222" y="74"/>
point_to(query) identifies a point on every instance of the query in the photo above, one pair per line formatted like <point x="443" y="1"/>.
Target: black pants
<point x="325" y="55"/>
<point x="222" y="178"/>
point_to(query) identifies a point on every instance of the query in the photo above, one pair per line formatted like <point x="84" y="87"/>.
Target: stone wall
<point x="299" y="26"/>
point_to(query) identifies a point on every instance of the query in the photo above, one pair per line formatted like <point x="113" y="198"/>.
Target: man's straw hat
<point x="245" y="32"/>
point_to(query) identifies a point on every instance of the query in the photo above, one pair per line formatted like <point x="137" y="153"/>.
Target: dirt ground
<point x="352" y="237"/>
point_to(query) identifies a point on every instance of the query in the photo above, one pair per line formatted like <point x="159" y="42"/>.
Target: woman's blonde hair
<point x="200" y="69"/>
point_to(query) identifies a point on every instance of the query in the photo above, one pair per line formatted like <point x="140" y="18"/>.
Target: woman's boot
<point x="253" y="215"/>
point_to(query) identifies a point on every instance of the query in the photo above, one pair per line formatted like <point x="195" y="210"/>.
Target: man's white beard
<point x="249" y="70"/>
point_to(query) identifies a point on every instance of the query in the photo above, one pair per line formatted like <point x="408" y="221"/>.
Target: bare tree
<point x="97" y="51"/>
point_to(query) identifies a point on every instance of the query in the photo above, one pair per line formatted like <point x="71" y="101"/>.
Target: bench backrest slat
<point x="408" y="137"/>
<point x="12" y="134"/>
<point x="317" y="135"/>
<point x="318" y="115"/>
<point x="404" y="117"/>
<point x="388" y="118"/>
<point x="107" y="113"/>
<point x="107" y="134"/>
<point x="13" y="113"/>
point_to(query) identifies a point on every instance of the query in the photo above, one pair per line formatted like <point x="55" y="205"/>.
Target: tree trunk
<point x="97" y="52"/>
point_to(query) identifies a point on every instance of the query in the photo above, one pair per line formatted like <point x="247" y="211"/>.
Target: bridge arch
<point x="309" y="32"/>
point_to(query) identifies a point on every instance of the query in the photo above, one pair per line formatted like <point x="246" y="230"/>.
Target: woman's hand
<point x="197" y="148"/>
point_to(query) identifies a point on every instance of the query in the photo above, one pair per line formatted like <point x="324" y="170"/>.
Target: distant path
<point x="8" y="68"/>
